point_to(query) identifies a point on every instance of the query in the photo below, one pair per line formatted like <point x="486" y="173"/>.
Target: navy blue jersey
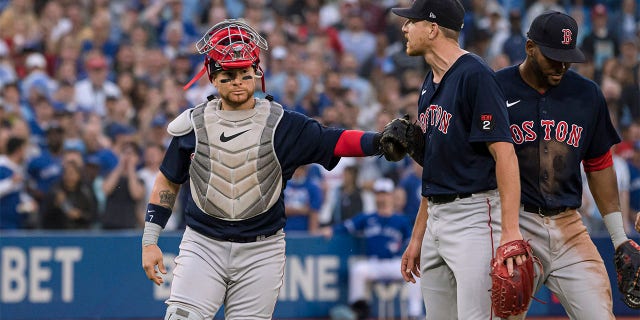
<point x="553" y="132"/>
<point x="298" y="140"/>
<point x="460" y="115"/>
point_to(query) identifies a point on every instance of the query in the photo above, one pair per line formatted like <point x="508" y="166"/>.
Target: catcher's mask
<point x="230" y="44"/>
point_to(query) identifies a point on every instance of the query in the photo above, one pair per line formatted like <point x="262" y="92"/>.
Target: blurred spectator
<point x="363" y="95"/>
<point x="45" y="170"/>
<point x="63" y="98"/>
<point x="356" y="39"/>
<point x="538" y="7"/>
<point x="601" y="43"/>
<point x="17" y="206"/>
<point x="19" y="26"/>
<point x="7" y="69"/>
<point x="302" y="199"/>
<point x="53" y="23"/>
<point x="152" y="158"/>
<point x="70" y="204"/>
<point x="173" y="12"/>
<point x="37" y="81"/>
<point x="98" y="148"/>
<point x="630" y="97"/>
<point x="124" y="191"/>
<point x="173" y="40"/>
<point x="386" y="234"/>
<point x="347" y="200"/>
<point x="156" y="67"/>
<point x="626" y="21"/>
<point x="373" y="168"/>
<point x="591" y="215"/>
<point x="91" y="93"/>
<point x="513" y="46"/>
<point x="13" y="104"/>
<point x="374" y="15"/>
<point x="411" y="183"/>
<point x="311" y="29"/>
<point x="498" y="27"/>
<point x="630" y="60"/>
<point x="634" y="178"/>
<point x="96" y="35"/>
<point x="277" y="82"/>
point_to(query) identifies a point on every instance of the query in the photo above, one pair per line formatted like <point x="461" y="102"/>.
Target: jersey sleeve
<point x="175" y="165"/>
<point x="489" y="117"/>
<point x="604" y="134"/>
<point x="300" y="140"/>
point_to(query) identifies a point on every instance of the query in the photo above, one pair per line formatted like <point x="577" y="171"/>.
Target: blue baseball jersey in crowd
<point x="634" y="187"/>
<point x="303" y="193"/>
<point x="385" y="237"/>
<point x="10" y="218"/>
<point x="553" y="132"/>
<point x="298" y="140"/>
<point x="460" y="115"/>
<point x="412" y="186"/>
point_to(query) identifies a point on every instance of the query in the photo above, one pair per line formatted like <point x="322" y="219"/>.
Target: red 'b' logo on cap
<point x="566" y="36"/>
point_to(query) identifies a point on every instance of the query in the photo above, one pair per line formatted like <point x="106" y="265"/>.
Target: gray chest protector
<point x="234" y="173"/>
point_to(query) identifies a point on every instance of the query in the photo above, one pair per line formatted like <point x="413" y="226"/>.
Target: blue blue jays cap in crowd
<point x="446" y="13"/>
<point x="556" y="34"/>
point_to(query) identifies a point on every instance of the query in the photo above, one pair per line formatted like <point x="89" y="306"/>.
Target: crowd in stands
<point x="87" y="88"/>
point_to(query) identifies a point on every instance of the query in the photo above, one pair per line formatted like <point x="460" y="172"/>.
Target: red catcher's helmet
<point x="230" y="44"/>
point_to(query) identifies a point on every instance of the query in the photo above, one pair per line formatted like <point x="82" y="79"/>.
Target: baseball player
<point x="560" y="119"/>
<point x="470" y="184"/>
<point x="237" y="152"/>
<point x="386" y="234"/>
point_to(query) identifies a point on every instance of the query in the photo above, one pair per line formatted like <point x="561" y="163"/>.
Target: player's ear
<point x="433" y="30"/>
<point x="529" y="47"/>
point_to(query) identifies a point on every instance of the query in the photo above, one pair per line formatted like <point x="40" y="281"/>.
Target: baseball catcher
<point x="627" y="262"/>
<point x="401" y="137"/>
<point x="510" y="295"/>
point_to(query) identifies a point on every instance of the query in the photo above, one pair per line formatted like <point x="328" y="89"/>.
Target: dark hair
<point x="14" y="144"/>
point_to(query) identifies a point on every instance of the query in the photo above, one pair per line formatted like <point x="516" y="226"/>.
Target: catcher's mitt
<point x="510" y="295"/>
<point x="627" y="262"/>
<point x="400" y="137"/>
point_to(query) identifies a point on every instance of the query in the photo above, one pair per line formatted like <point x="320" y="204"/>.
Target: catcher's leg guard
<point x="182" y="312"/>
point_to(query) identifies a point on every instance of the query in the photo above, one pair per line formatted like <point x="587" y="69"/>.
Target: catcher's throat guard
<point x="230" y="44"/>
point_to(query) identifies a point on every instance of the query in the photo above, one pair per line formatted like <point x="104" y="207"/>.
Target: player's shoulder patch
<point x="486" y="122"/>
<point x="181" y="125"/>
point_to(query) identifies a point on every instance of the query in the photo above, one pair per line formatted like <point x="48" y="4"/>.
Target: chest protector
<point x="234" y="173"/>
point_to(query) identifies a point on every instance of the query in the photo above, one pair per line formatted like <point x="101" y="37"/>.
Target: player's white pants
<point x="573" y="268"/>
<point x="245" y="277"/>
<point x="457" y="248"/>
<point x="363" y="272"/>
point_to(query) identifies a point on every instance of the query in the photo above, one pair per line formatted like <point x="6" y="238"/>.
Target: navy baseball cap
<point x="447" y="13"/>
<point x="556" y="34"/>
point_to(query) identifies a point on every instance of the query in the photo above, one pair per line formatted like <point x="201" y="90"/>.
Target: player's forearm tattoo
<point x="167" y="198"/>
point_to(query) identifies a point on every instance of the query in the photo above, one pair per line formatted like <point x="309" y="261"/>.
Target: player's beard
<point x="414" y="48"/>
<point x="236" y="99"/>
<point x="548" y="77"/>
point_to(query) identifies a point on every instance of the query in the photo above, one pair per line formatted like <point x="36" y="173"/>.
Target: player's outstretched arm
<point x="410" y="263"/>
<point x="161" y="201"/>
